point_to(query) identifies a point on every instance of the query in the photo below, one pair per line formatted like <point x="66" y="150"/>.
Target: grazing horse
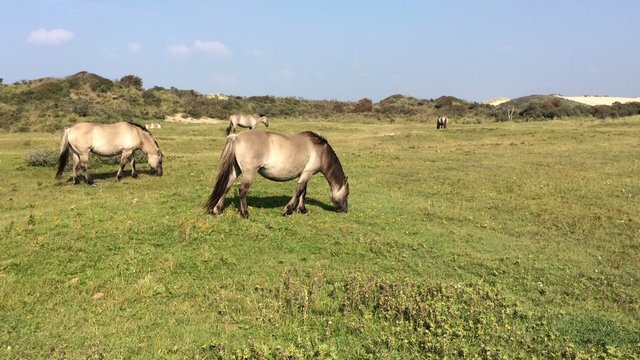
<point x="246" y="121"/>
<point x="278" y="157"/>
<point x="107" y="140"/>
<point x="442" y="122"/>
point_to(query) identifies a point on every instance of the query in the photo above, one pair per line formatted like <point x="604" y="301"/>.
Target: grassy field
<point x="495" y="240"/>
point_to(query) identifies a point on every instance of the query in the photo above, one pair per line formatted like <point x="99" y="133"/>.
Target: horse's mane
<point x="314" y="137"/>
<point x="139" y="126"/>
<point x="145" y="130"/>
<point x="331" y="163"/>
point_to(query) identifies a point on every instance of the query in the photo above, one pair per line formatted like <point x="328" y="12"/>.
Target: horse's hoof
<point x="303" y="211"/>
<point x="135" y="176"/>
<point x="76" y="182"/>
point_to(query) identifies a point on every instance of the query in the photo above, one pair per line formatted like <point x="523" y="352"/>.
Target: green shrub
<point x="49" y="158"/>
<point x="42" y="157"/>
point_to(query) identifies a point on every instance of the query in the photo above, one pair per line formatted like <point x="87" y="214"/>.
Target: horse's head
<point x="155" y="161"/>
<point x="339" y="195"/>
<point x="264" y="120"/>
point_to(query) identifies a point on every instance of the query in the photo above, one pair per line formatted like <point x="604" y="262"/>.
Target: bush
<point x="42" y="157"/>
<point x="49" y="158"/>
<point x="363" y="105"/>
<point x="131" y="81"/>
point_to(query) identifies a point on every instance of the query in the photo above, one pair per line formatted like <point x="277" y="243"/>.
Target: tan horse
<point x="107" y="140"/>
<point x="246" y="121"/>
<point x="442" y="122"/>
<point x="278" y="157"/>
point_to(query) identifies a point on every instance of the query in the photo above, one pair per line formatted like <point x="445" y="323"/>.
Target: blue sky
<point x="345" y="50"/>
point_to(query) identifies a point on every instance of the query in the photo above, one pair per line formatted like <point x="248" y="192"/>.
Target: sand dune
<point x="183" y="118"/>
<point x="600" y="100"/>
<point x="497" y="101"/>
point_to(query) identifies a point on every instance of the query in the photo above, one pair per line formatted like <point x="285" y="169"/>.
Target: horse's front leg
<point x="134" y="173"/>
<point x="301" y="208"/>
<point x="301" y="191"/>
<point x="124" y="159"/>
<point x="293" y="203"/>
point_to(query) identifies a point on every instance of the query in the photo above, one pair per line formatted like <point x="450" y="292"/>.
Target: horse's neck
<point x="332" y="171"/>
<point x="148" y="143"/>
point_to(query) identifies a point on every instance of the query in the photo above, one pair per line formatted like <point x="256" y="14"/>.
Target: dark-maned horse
<point x="278" y="157"/>
<point x="246" y="121"/>
<point x="107" y="140"/>
<point x="442" y="122"/>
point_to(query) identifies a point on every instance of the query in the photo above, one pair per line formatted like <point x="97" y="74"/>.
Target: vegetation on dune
<point x="50" y="104"/>
<point x="492" y="240"/>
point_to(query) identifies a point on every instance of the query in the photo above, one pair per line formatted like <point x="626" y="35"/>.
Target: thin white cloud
<point x="109" y="53"/>
<point x="50" y="37"/>
<point x="216" y="48"/>
<point x="285" y="76"/>
<point x="259" y="53"/>
<point x="179" y="50"/>
<point x="255" y="53"/>
<point x="134" y="47"/>
<point x="226" y="81"/>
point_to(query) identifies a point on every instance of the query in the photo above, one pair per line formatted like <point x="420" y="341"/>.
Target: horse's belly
<point x="106" y="150"/>
<point x="279" y="173"/>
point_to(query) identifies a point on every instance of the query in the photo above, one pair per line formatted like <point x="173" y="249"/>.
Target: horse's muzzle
<point x="159" y="172"/>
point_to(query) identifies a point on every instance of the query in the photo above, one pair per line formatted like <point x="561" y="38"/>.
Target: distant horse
<point x="246" y="121"/>
<point x="278" y="157"/>
<point x="107" y="140"/>
<point x="442" y="122"/>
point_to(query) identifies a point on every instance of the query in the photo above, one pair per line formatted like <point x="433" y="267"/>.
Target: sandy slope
<point x="600" y="100"/>
<point x="497" y="101"/>
<point x="182" y="118"/>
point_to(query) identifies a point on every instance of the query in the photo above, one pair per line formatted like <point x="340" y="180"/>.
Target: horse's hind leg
<point x="74" y="168"/>
<point x="219" y="207"/>
<point x="243" y="191"/>
<point x="84" y="165"/>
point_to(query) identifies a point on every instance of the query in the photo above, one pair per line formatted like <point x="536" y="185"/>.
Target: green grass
<point x="485" y="240"/>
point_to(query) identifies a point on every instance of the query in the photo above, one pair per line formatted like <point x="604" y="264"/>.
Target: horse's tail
<point x="230" y="127"/>
<point x="227" y="164"/>
<point x="64" y="153"/>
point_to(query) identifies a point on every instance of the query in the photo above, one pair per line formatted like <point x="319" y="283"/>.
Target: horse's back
<point x="103" y="139"/>
<point x="278" y="157"/>
<point x="243" y="120"/>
